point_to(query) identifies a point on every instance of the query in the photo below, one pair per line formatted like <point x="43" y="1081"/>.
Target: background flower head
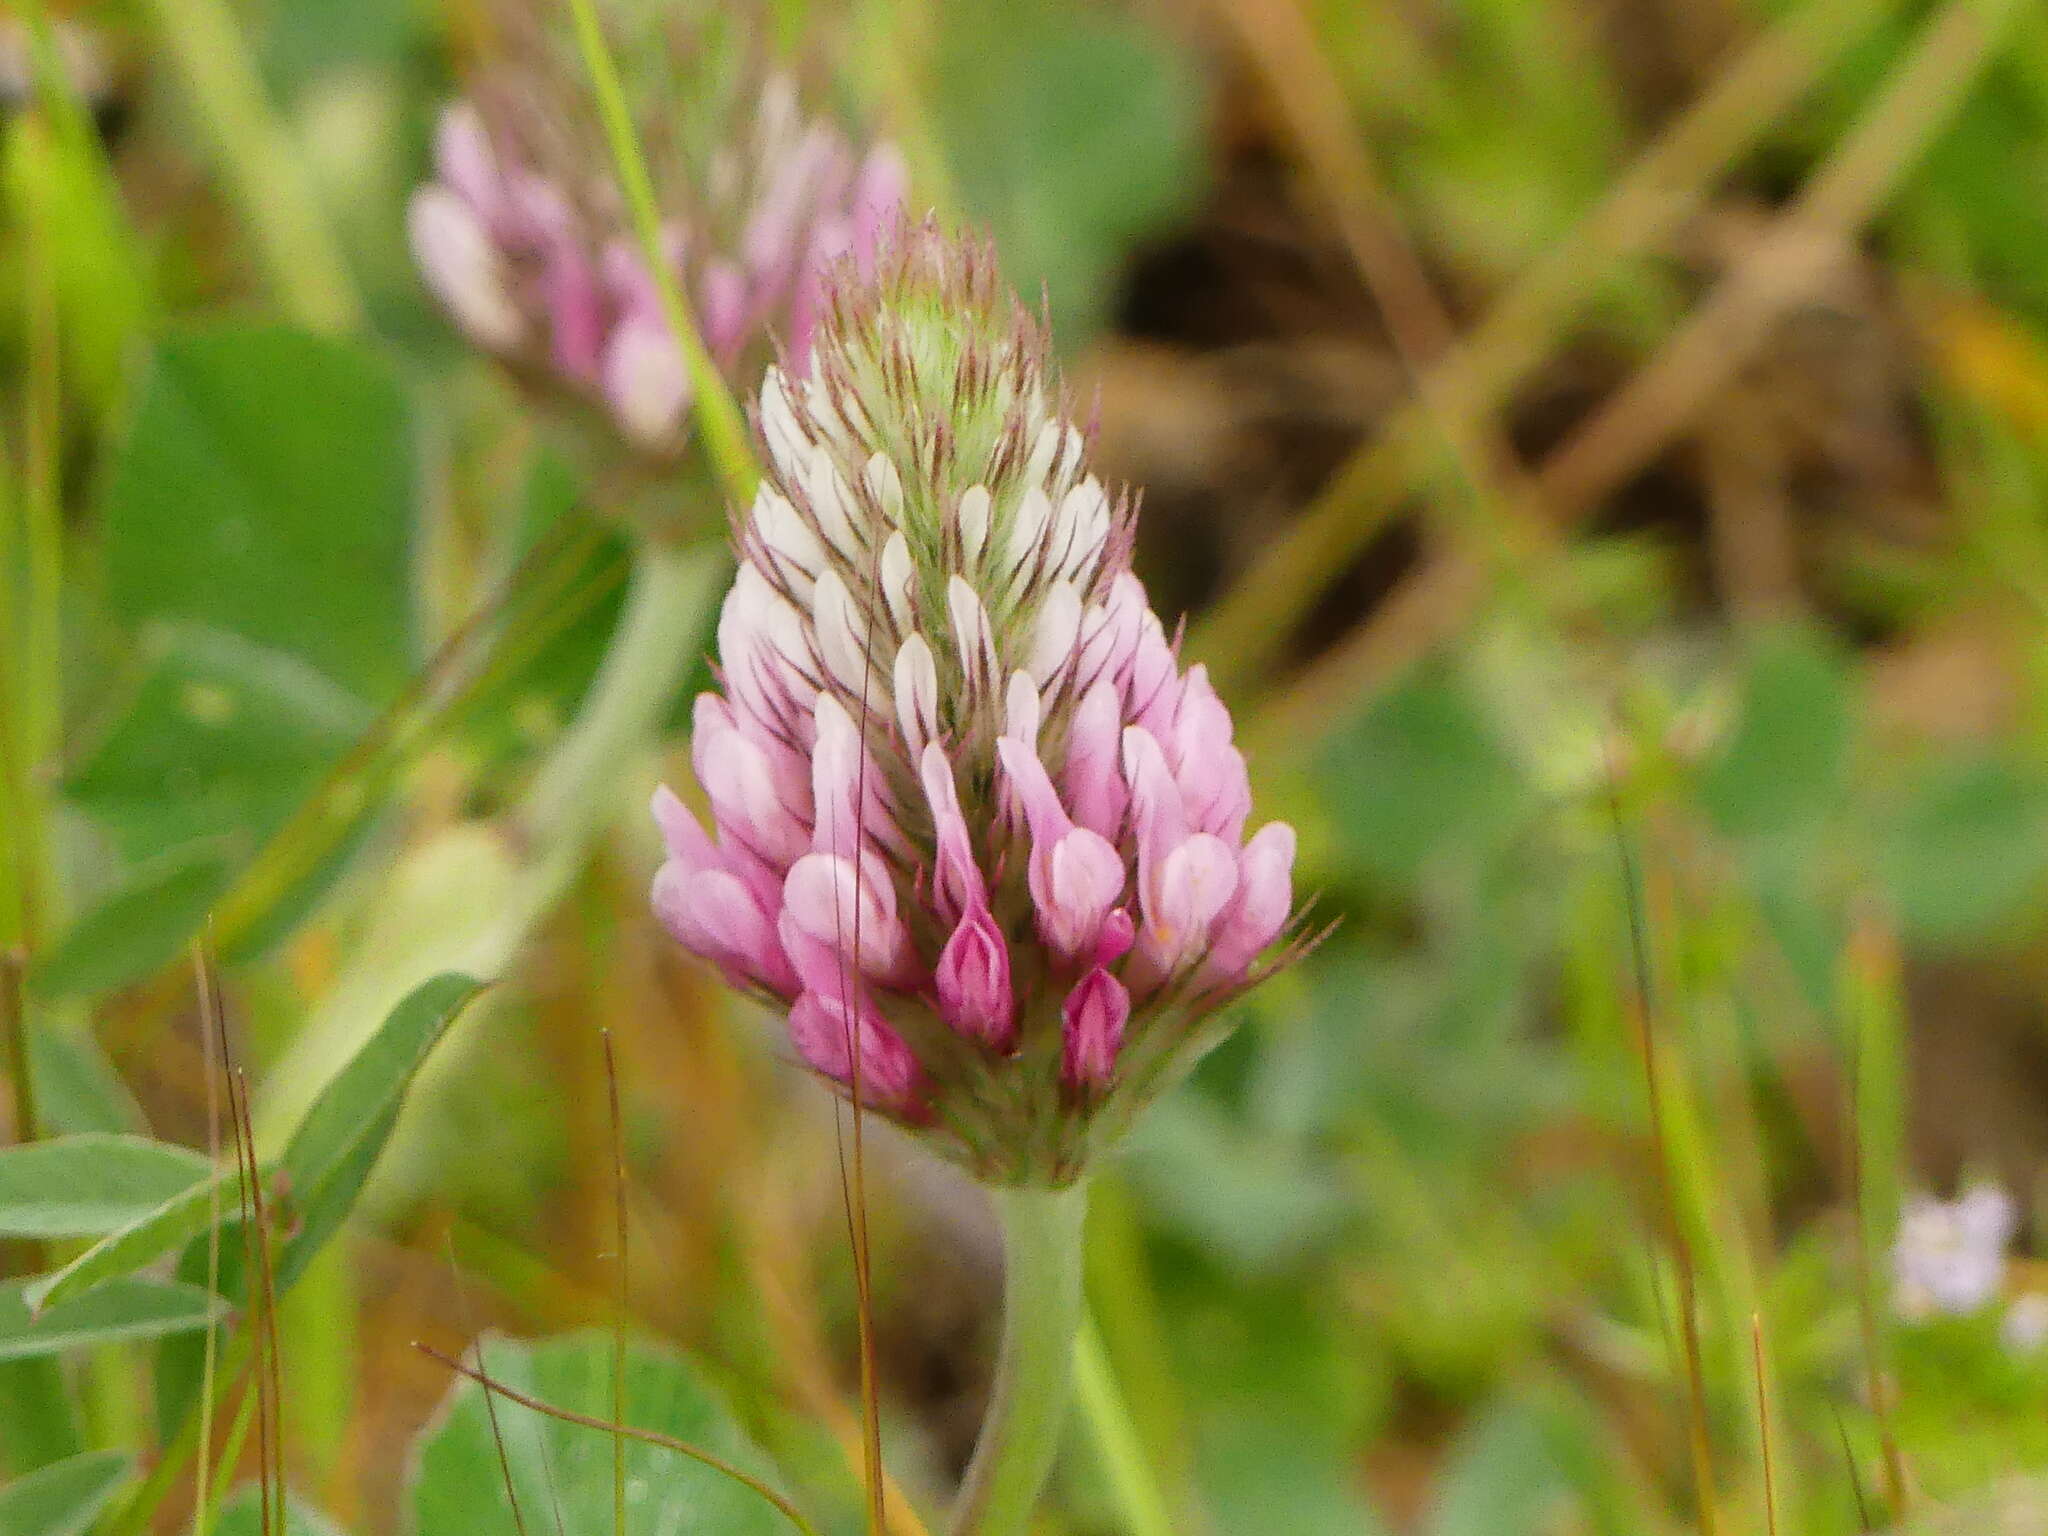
<point x="524" y="236"/>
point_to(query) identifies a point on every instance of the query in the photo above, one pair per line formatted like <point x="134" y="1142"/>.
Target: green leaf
<point x="1782" y="767"/>
<point x="1501" y="1476"/>
<point x="331" y="1153"/>
<point x="84" y="1186"/>
<point x="264" y="488"/>
<point x="242" y="1515"/>
<point x="221" y="740"/>
<point x="140" y="927"/>
<point x="63" y="1499"/>
<point x="122" y="1309"/>
<point x="163" y="1229"/>
<point x="41" y="1419"/>
<point x="1422" y="776"/>
<point x="77" y="1086"/>
<point x="567" y="1469"/>
<point x="1075" y="133"/>
<point x="1254" y="1203"/>
<point x="326" y="1162"/>
<point x="1266" y="1473"/>
<point x="1968" y="851"/>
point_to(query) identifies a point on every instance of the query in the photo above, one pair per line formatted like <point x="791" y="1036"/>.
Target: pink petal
<point x="1265" y="893"/>
<point x="1093" y="778"/>
<point x="851" y="913"/>
<point x="825" y="1036"/>
<point x="713" y="914"/>
<point x="973" y="982"/>
<point x="1092" y="1031"/>
<point x="1183" y="895"/>
<point x="959" y="881"/>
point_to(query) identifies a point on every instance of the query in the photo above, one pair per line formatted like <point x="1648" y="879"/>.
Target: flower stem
<point x="510" y="882"/>
<point x="1041" y="1319"/>
<point x="1132" y="1481"/>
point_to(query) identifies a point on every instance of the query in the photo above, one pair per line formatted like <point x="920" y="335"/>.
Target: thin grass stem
<point x="719" y="420"/>
<point x="304" y="264"/>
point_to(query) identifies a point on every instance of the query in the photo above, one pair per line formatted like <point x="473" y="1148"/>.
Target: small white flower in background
<point x="2025" y="1329"/>
<point x="1949" y="1257"/>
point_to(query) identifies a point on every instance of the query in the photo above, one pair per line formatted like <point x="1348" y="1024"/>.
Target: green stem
<point x="1041" y="1320"/>
<point x="293" y="240"/>
<point x="1131" y="1478"/>
<point x="720" y="422"/>
<point x="14" y="1025"/>
<point x="572" y="797"/>
<point x="636" y="684"/>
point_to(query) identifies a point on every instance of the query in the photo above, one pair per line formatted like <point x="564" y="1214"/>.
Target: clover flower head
<point x="976" y="829"/>
<point x="526" y="241"/>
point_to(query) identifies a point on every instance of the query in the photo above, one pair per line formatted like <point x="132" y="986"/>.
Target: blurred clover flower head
<point x="976" y="829"/>
<point x="1949" y="1257"/>
<point x="525" y="238"/>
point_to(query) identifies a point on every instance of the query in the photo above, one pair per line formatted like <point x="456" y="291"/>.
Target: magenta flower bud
<point x="1092" y="1032"/>
<point x="526" y="243"/>
<point x="973" y="982"/>
<point x="972" y="818"/>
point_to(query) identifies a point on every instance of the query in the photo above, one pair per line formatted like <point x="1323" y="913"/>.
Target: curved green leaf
<point x="567" y="1468"/>
<point x="85" y="1186"/>
<point x="161" y="1230"/>
<point x="330" y="1155"/>
<point x="62" y="1499"/>
<point x="127" y="1308"/>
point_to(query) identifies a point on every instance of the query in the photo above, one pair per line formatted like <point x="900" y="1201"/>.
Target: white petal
<point x="1083" y="528"/>
<point x="971" y="634"/>
<point x="1059" y="630"/>
<point x="645" y="381"/>
<point x="1027" y="527"/>
<point x="898" y="577"/>
<point x="1021" y="711"/>
<point x="842" y="636"/>
<point x="461" y="265"/>
<point x="831" y="504"/>
<point x="885" y="485"/>
<point x="973" y="515"/>
<point x="786" y="443"/>
<point x="1044" y="449"/>
<point x="783" y="529"/>
<point x="917" y="694"/>
<point x="762" y="644"/>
